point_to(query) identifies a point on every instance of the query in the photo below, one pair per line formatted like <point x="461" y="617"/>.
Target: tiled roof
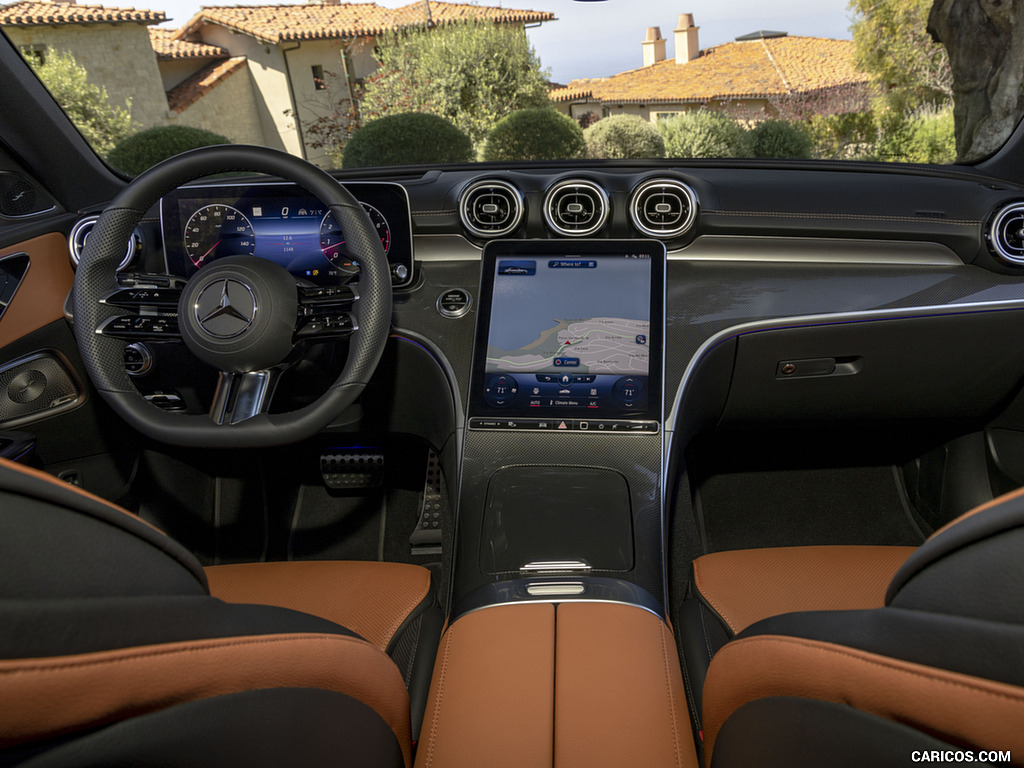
<point x="277" y="23"/>
<point x="754" y="69"/>
<point x="34" y="13"/>
<point x="190" y="90"/>
<point x="168" y="48"/>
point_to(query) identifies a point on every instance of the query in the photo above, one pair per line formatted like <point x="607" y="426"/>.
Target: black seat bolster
<point x="701" y="634"/>
<point x="295" y="726"/>
<point x="46" y="628"/>
<point x="413" y="648"/>
<point x="788" y="732"/>
<point x="969" y="646"/>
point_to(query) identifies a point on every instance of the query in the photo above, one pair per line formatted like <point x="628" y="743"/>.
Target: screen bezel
<point x="501" y="249"/>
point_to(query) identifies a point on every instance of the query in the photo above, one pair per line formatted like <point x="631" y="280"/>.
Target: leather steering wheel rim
<point x="96" y="278"/>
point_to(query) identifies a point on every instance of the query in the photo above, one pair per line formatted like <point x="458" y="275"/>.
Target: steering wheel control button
<point x="454" y="303"/>
<point x="138" y="360"/>
<point x="133" y="298"/>
<point x="226" y="308"/>
<point x="140" y="327"/>
<point x="501" y="390"/>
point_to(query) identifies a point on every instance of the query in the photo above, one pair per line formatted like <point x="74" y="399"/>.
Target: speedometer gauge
<point x="218" y="230"/>
<point x="332" y="239"/>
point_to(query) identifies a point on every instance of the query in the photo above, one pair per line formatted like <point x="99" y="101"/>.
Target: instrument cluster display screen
<point x="570" y="329"/>
<point x="284" y="224"/>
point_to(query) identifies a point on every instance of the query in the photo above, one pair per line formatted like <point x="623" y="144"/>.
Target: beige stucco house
<point x="751" y="77"/>
<point x="256" y="74"/>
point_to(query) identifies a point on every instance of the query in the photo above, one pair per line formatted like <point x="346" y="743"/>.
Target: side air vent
<point x="80" y="233"/>
<point x="1006" y="235"/>
<point x="490" y="208"/>
<point x="576" y="208"/>
<point x="663" y="208"/>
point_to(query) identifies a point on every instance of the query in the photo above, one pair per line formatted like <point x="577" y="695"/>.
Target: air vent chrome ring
<point x="663" y="208"/>
<point x="1006" y="234"/>
<point x="80" y="233"/>
<point x="576" y="208"/>
<point x="490" y="208"/>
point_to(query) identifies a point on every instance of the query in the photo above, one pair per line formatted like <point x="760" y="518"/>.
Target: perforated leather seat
<point x="114" y="652"/>
<point x="857" y="656"/>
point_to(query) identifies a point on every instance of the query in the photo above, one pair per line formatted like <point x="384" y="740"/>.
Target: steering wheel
<point x="241" y="314"/>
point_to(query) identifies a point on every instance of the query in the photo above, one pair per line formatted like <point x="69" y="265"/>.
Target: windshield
<point x="389" y="83"/>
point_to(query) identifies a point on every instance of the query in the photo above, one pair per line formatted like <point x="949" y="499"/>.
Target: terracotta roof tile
<point x="277" y="23"/>
<point x="36" y="12"/>
<point x="166" y="47"/>
<point x="190" y="90"/>
<point x="758" y="68"/>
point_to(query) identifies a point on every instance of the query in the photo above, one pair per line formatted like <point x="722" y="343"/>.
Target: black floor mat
<point x="331" y="526"/>
<point x="855" y="505"/>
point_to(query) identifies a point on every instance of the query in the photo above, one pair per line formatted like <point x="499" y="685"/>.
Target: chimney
<point x="687" y="45"/>
<point x="654" y="46"/>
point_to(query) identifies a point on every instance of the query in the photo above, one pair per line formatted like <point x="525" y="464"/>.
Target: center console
<point x="566" y="378"/>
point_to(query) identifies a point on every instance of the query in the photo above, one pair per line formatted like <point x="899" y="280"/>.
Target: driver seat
<point x="114" y="652"/>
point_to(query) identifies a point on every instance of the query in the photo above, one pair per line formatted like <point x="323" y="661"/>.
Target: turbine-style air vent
<point x="663" y="208"/>
<point x="491" y="208"/>
<point x="1006" y="235"/>
<point x="576" y="208"/>
<point x="80" y="233"/>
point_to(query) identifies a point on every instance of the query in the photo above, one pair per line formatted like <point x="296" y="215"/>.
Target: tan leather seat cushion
<point x="371" y="599"/>
<point x="747" y="585"/>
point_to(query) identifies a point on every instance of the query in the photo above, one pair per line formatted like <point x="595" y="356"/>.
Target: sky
<point x="597" y="39"/>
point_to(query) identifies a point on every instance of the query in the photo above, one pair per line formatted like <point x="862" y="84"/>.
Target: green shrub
<point x="778" y="139"/>
<point x="701" y="133"/>
<point x="540" y="133"/>
<point x="931" y="138"/>
<point x="410" y="138"/>
<point x="623" y="136"/>
<point x="146" y="148"/>
<point x="844" y="136"/>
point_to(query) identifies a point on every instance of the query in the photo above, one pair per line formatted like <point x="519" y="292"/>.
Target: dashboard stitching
<point x="846" y="216"/>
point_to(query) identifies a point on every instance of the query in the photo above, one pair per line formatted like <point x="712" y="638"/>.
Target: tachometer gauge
<point x="218" y="230"/>
<point x="332" y="239"/>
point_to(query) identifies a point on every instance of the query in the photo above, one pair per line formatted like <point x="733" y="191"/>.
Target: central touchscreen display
<point x="569" y="329"/>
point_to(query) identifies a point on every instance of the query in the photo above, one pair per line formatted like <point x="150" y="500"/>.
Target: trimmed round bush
<point x="701" y="133"/>
<point x="778" y="139"/>
<point x="540" y="133"/>
<point x="411" y="138"/>
<point x="144" y="149"/>
<point x="623" y="136"/>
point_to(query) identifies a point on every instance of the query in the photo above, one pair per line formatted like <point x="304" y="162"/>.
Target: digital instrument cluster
<point x="282" y="223"/>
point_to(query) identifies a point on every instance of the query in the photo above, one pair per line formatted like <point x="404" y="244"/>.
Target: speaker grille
<point x="19" y="197"/>
<point x="35" y="386"/>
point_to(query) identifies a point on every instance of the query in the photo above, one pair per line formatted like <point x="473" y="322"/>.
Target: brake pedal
<point x="351" y="469"/>
<point x="426" y="538"/>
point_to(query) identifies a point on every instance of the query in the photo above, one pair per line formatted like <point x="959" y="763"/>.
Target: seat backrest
<point x="940" y="664"/>
<point x="107" y="623"/>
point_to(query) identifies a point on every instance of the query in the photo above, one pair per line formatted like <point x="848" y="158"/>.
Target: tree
<point x="893" y="45"/>
<point x="985" y="41"/>
<point x="87" y="105"/>
<point x="145" y="149"/>
<point x="471" y="73"/>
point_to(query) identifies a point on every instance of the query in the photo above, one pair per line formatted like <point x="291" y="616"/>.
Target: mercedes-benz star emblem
<point x="225" y="308"/>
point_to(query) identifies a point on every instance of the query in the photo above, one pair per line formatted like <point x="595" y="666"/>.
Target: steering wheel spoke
<point x="240" y="396"/>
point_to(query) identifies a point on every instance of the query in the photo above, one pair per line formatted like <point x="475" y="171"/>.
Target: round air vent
<point x="1006" y="235"/>
<point x="490" y="208"/>
<point x="80" y="233"/>
<point x="663" y="208"/>
<point x="576" y="208"/>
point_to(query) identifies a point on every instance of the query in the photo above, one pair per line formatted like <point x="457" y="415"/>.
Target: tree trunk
<point x="985" y="42"/>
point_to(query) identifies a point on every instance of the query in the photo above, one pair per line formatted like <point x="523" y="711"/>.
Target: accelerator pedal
<point x="426" y="537"/>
